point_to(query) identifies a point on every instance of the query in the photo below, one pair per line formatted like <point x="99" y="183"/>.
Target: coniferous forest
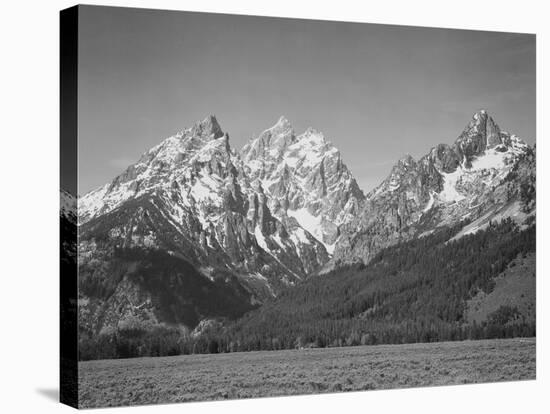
<point x="415" y="291"/>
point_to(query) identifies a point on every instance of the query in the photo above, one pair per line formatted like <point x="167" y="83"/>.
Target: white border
<point x="29" y="191"/>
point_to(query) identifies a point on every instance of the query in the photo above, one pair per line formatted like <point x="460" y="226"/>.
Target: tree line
<point x="414" y="291"/>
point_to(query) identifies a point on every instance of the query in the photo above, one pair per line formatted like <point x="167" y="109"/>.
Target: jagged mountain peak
<point x="271" y="142"/>
<point x="482" y="145"/>
<point x="480" y="134"/>
<point x="280" y="142"/>
<point x="483" y="137"/>
<point x="281" y="127"/>
<point x="403" y="164"/>
<point x="201" y="149"/>
<point x="480" y="114"/>
<point x="304" y="178"/>
<point x="282" y="122"/>
<point x="314" y="136"/>
<point x="406" y="160"/>
<point x="207" y="128"/>
<point x="479" y="122"/>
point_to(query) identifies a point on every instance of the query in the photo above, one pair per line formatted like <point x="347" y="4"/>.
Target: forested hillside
<point x="412" y="292"/>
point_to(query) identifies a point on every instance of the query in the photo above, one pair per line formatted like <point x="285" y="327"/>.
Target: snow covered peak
<point x="481" y="146"/>
<point x="282" y="123"/>
<point x="282" y="127"/>
<point x="193" y="195"/>
<point x="200" y="150"/>
<point x="270" y="143"/>
<point x="314" y="137"/>
<point x="478" y="122"/>
<point x="303" y="178"/>
<point x="406" y="160"/>
<point x="480" y="114"/>
<point x="482" y="176"/>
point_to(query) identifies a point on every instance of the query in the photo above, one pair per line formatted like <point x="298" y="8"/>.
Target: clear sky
<point x="376" y="91"/>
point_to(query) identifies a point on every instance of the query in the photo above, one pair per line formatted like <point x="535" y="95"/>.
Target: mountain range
<point x="196" y="231"/>
<point x="485" y="175"/>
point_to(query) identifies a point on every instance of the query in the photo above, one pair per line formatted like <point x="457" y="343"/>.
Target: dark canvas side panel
<point x="68" y="194"/>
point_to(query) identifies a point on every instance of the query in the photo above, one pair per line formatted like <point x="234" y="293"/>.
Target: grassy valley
<point x="309" y="371"/>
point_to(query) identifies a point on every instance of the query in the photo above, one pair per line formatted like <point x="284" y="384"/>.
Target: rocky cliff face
<point x="487" y="174"/>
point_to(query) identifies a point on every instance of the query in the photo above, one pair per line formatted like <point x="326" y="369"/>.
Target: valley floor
<point x="272" y="373"/>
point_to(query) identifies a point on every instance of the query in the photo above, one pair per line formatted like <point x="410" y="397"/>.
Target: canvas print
<point x="256" y="206"/>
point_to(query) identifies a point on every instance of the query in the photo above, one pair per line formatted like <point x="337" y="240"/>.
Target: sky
<point x="377" y="92"/>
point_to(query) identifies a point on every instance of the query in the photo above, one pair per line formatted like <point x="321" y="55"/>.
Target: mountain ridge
<point x="467" y="179"/>
<point x="192" y="197"/>
<point x="284" y="208"/>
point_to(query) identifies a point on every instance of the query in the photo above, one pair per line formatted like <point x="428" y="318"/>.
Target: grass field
<point x="271" y="373"/>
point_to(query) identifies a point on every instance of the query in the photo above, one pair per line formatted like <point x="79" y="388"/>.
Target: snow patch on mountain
<point x="308" y="221"/>
<point x="260" y="238"/>
<point x="491" y="159"/>
<point x="430" y="203"/>
<point x="450" y="194"/>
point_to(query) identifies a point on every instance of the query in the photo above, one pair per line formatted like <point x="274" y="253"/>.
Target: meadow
<point x="307" y="371"/>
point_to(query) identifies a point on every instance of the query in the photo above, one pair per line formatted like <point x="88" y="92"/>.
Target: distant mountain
<point x="229" y="219"/>
<point x="486" y="175"/>
<point x="195" y="231"/>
